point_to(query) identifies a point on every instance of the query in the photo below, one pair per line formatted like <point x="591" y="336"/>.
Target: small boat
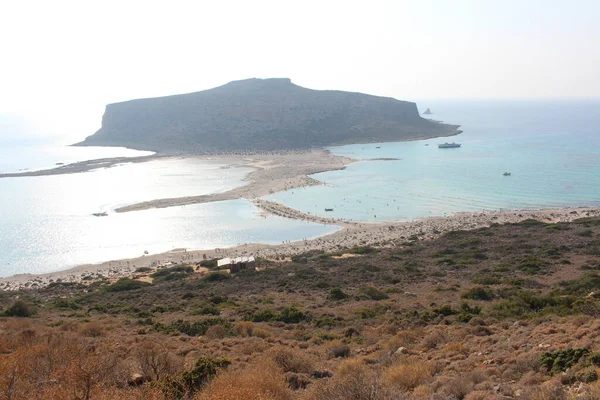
<point x="100" y="214"/>
<point x="506" y="174"/>
<point x="378" y="147"/>
<point x="428" y="112"/>
<point x="329" y="209"/>
<point x="426" y="144"/>
<point x="449" y="145"/>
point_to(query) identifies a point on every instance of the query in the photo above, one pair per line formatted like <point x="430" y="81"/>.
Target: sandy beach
<point x="274" y="172"/>
<point x="352" y="234"/>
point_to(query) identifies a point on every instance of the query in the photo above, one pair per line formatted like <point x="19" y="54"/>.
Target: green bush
<point x="19" y="309"/>
<point x="187" y="383"/>
<point x="204" y="370"/>
<point x="291" y="315"/>
<point x="531" y="265"/>
<point x="445" y="311"/>
<point x="288" y="315"/>
<point x="562" y="360"/>
<point x="530" y="223"/>
<point x="210" y="264"/>
<point x="63" y="303"/>
<point x="125" y="284"/>
<point x="362" y="250"/>
<point x="263" y="316"/>
<point x="477" y="293"/>
<point x="216" y="277"/>
<point x="373" y="293"/>
<point x="586" y="283"/>
<point x="171" y="274"/>
<point x="337" y="294"/>
<point x="526" y="303"/>
<point x="206" y="310"/>
<point x="487" y="280"/>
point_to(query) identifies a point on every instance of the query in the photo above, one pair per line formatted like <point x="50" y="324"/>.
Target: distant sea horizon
<point x="551" y="148"/>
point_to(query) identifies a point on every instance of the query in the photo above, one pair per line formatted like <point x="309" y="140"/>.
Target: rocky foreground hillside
<point x="260" y="114"/>
<point x="510" y="311"/>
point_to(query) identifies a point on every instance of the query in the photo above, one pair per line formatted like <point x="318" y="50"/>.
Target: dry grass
<point x="216" y="332"/>
<point x="352" y="381"/>
<point x="263" y="381"/>
<point x="408" y="374"/>
<point x="291" y="360"/>
<point x="91" y="329"/>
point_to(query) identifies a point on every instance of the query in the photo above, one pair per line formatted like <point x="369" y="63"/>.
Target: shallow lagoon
<point x="552" y="150"/>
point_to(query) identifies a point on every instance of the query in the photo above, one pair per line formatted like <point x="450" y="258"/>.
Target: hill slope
<point x="260" y="114"/>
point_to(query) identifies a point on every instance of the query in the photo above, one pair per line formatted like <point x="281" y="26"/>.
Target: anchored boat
<point x="448" y="145"/>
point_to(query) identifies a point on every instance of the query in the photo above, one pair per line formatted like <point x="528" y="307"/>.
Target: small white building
<point x="236" y="264"/>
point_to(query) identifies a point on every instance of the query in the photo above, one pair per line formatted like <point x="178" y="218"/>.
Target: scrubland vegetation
<point x="504" y="312"/>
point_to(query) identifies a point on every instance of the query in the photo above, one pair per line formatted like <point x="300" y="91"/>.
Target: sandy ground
<point x="352" y="234"/>
<point x="273" y="173"/>
<point x="83" y="166"/>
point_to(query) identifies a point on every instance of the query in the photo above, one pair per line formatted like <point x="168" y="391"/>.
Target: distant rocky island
<point x="261" y="115"/>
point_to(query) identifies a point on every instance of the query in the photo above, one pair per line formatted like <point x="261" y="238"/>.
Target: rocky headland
<point x="261" y="114"/>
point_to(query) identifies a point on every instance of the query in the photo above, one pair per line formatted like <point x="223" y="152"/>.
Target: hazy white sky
<point x="62" y="61"/>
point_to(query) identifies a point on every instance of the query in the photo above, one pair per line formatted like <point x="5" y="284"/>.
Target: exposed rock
<point x="319" y="374"/>
<point x="298" y="381"/>
<point x="136" y="380"/>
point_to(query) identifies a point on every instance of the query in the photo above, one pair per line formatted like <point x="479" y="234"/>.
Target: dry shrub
<point x="250" y="347"/>
<point x="243" y="329"/>
<point x="291" y="360"/>
<point x="527" y="362"/>
<point x="216" y="332"/>
<point x="408" y="338"/>
<point x="156" y="362"/>
<point x="339" y="351"/>
<point x="479" y="395"/>
<point x="456" y="348"/>
<point x="261" y="333"/>
<point x="434" y="340"/>
<point x="352" y="381"/>
<point x="549" y="391"/>
<point x="17" y="324"/>
<point x="595" y="390"/>
<point x="262" y="381"/>
<point x="69" y="326"/>
<point x="91" y="329"/>
<point x="457" y="388"/>
<point x="478" y="375"/>
<point x="15" y="375"/>
<point x="408" y="374"/>
<point x="423" y="392"/>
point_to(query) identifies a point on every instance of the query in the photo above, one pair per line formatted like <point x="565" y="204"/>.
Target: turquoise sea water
<point x="552" y="150"/>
